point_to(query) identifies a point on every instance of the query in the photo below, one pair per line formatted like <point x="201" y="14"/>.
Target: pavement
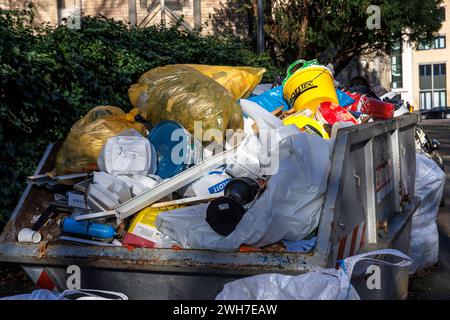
<point x="434" y="283"/>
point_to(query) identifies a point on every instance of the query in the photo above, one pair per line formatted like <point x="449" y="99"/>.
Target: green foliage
<point x="51" y="77"/>
<point x="336" y="30"/>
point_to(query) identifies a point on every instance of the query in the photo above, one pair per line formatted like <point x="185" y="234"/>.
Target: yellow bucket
<point x="308" y="87"/>
<point x="306" y="124"/>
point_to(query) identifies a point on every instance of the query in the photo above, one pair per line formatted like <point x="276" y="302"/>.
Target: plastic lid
<point x="161" y="138"/>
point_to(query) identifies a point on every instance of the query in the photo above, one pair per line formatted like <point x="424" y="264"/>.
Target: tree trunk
<point x="341" y="61"/>
<point x="302" y="30"/>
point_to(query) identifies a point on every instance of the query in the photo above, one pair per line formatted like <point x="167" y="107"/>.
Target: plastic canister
<point x="175" y="147"/>
<point x="306" y="124"/>
<point x="86" y="228"/>
<point x="309" y="86"/>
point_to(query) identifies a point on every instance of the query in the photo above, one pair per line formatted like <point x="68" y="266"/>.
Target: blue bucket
<point x="176" y="148"/>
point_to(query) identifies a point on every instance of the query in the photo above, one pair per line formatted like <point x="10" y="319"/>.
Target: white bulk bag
<point x="320" y="284"/>
<point x="429" y="187"/>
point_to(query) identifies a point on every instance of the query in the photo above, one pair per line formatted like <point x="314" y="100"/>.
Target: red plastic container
<point x="378" y="109"/>
<point x="331" y="113"/>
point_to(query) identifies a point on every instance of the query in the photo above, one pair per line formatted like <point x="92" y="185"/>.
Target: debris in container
<point x="127" y="153"/>
<point x="212" y="182"/>
<point x="375" y="108"/>
<point x="310" y="85"/>
<point x="271" y="100"/>
<point x="143" y="233"/>
<point x="88" y="135"/>
<point x="176" y="148"/>
<point x="76" y="199"/>
<point x="329" y="113"/>
<point x="302" y="246"/>
<point x="185" y="95"/>
<point x="28" y="235"/>
<point x="224" y="213"/>
<point x="52" y="211"/>
<point x="86" y="228"/>
<point x="288" y="209"/>
<point x="239" y="81"/>
<point x="306" y="124"/>
<point x="113" y="243"/>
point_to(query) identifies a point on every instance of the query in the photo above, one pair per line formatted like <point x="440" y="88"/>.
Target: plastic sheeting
<point x="88" y="135"/>
<point x="288" y="209"/>
<point x="320" y="284"/>
<point x="429" y="187"/>
<point x="84" y="294"/>
<point x="185" y="95"/>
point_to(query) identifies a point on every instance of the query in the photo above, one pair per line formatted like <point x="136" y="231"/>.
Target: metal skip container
<point x="368" y="205"/>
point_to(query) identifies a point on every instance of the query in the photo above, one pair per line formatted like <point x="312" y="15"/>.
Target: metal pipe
<point x="260" y="32"/>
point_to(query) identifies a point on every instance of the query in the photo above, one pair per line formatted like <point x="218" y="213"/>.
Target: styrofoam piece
<point x="103" y="196"/>
<point x="127" y="153"/>
<point x="168" y="186"/>
<point x="113" y="184"/>
<point x="135" y="186"/>
<point x="94" y="204"/>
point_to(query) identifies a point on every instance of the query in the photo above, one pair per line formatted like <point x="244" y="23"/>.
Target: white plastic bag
<point x="288" y="209"/>
<point x="82" y="294"/>
<point x="127" y="153"/>
<point x="429" y="187"/>
<point x="320" y="284"/>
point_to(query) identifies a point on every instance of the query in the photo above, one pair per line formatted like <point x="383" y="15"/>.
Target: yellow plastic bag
<point x="87" y="136"/>
<point x="185" y="95"/>
<point x="239" y="81"/>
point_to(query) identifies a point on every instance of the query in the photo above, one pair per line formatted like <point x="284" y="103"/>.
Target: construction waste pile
<point x="209" y="158"/>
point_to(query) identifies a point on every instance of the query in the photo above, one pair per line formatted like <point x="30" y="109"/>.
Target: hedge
<point x="50" y="77"/>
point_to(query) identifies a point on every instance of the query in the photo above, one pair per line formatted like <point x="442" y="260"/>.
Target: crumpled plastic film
<point x="239" y="81"/>
<point x="88" y="135"/>
<point x="185" y="95"/>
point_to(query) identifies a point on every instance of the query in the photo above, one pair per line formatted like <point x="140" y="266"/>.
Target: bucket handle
<point x="296" y="63"/>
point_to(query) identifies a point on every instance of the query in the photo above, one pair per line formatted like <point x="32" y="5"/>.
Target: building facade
<point x="419" y="73"/>
<point x="208" y="14"/>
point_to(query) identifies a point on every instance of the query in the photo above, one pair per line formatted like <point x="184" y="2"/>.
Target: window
<point x="439" y="42"/>
<point x="442" y="13"/>
<point x="396" y="70"/>
<point x="432" y="84"/>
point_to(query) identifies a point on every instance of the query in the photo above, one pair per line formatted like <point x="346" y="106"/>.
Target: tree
<point x="336" y="31"/>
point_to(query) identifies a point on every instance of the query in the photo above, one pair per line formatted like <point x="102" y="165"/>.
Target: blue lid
<point x="161" y="138"/>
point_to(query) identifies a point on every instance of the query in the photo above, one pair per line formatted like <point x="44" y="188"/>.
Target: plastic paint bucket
<point x="306" y="124"/>
<point x="175" y="147"/>
<point x="309" y="86"/>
